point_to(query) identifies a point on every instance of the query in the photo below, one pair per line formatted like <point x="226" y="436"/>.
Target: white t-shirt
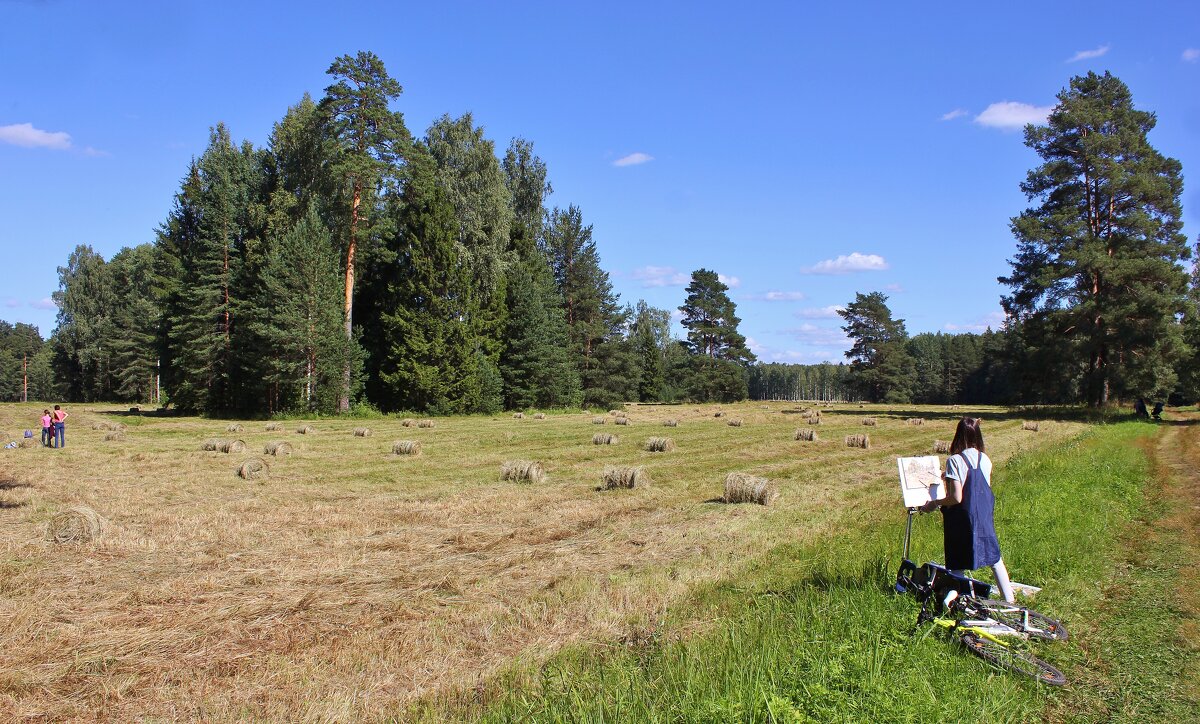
<point x="956" y="469"/>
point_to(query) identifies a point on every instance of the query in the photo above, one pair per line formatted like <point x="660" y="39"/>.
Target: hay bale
<point x="660" y="444"/>
<point x="425" y="423"/>
<point x="214" y="444"/>
<point x="670" y="422"/>
<point x="235" y="427"/>
<point x="27" y="442"/>
<point x="605" y="438"/>
<point x="78" y="524"/>
<point x="99" y="425"/>
<point x="278" y="448"/>
<point x="114" y="436"/>
<point x="941" y="446"/>
<point x="407" y="423"/>
<point x="1031" y="426"/>
<point x="859" y="441"/>
<point x="615" y="412"/>
<point x="917" y="421"/>
<point x="518" y="415"/>
<point x="735" y="422"/>
<point x="809" y="435"/>
<point x="814" y="420"/>
<point x="868" y="421"/>
<point x="210" y="445"/>
<point x="625" y="477"/>
<point x="406" y="447"/>
<point x="621" y="421"/>
<point x="522" y="471"/>
<point x="540" y="416"/>
<point x="362" y="432"/>
<point x="274" y="427"/>
<point x="254" y="469"/>
<point x="598" y="420"/>
<point x="306" y="430"/>
<point x="719" y="413"/>
<point x="746" y="488"/>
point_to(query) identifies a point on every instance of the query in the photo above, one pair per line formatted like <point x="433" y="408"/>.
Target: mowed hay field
<point x="350" y="582"/>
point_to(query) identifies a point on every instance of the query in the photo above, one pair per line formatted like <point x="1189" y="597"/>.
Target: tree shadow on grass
<point x="12" y="484"/>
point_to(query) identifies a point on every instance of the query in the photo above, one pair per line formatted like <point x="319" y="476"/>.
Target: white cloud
<point x="660" y="276"/>
<point x="26" y="136"/>
<point x="992" y="320"/>
<point x="1012" y="116"/>
<point x="731" y="282"/>
<point x="633" y="159"/>
<point x="817" y="335"/>
<point x="1088" y="54"/>
<point x="1191" y="55"/>
<point x="44" y="303"/>
<point x="830" y="312"/>
<point x="844" y="264"/>
<point x="776" y="296"/>
<point x="956" y="113"/>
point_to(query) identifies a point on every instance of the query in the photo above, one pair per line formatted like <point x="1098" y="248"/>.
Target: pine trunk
<point x="352" y="248"/>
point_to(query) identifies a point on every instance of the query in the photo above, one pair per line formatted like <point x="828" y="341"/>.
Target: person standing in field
<point x="967" y="509"/>
<point x="47" y="428"/>
<point x="60" y="427"/>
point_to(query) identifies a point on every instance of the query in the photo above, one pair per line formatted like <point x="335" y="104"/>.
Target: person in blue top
<point x="969" y="531"/>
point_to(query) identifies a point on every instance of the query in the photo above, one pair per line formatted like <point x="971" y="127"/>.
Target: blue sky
<point x="804" y="152"/>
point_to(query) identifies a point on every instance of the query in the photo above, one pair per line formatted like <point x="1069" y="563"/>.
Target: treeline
<point x="25" y="356"/>
<point x="351" y="262"/>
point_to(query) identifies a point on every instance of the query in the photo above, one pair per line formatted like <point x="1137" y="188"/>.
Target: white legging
<point x="1001" y="574"/>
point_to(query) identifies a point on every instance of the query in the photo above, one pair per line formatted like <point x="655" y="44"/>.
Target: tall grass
<point x="812" y="632"/>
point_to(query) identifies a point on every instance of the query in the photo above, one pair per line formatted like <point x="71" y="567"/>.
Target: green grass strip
<point x="813" y="633"/>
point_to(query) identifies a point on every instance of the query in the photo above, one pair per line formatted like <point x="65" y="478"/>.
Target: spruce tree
<point x="136" y="313"/>
<point x="1096" y="280"/>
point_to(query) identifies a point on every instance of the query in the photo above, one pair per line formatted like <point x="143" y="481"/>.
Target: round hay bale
<point x="231" y="446"/>
<point x="278" y="448"/>
<point x="808" y="435"/>
<point x="614" y="412"/>
<point x="254" y="469"/>
<point x="605" y="438"/>
<point x="814" y="420"/>
<point x="540" y="416"/>
<point x="916" y="421"/>
<point x="941" y="446"/>
<point x="621" y="421"/>
<point x="735" y="422"/>
<point x="114" y="436"/>
<point x="406" y="447"/>
<point x="425" y="423"/>
<point x="362" y="432"/>
<point x="27" y="442"/>
<point x="660" y="444"/>
<point x="1031" y="426"/>
<point x="670" y="422"/>
<point x="518" y="415"/>
<point x="99" y="425"/>
<point x="212" y="444"/>
<point x="868" y="421"/>
<point x="407" y="423"/>
<point x="306" y="429"/>
<point x="522" y="471"/>
<point x="235" y="427"/>
<point x="598" y="420"/>
<point x="625" y="477"/>
<point x="746" y="488"/>
<point x="274" y="427"/>
<point x="77" y="524"/>
<point x="719" y="413"/>
<point x="859" y="441"/>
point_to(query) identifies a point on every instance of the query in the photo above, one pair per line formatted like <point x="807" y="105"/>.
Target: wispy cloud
<point x="817" y="335"/>
<point x="830" y="312"/>
<point x="660" y="276"/>
<point x="633" y="159"/>
<point x="992" y="320"/>
<point x="956" y="113"/>
<point x="1191" y="55"/>
<point x="766" y="353"/>
<point x="44" y="303"/>
<point x="26" y="136"/>
<point x="731" y="282"/>
<point x="847" y="264"/>
<point x="895" y="288"/>
<point x="12" y="303"/>
<point x="1012" y="116"/>
<point x="1088" y="54"/>
<point x="775" y="296"/>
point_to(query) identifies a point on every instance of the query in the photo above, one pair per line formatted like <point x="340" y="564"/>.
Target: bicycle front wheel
<point x="1013" y="659"/>
<point x="1025" y="620"/>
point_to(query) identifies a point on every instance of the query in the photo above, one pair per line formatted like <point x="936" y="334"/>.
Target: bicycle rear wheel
<point x="1025" y="620"/>
<point x="1013" y="659"/>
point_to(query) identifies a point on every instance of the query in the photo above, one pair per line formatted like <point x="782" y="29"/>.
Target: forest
<point x="350" y="264"/>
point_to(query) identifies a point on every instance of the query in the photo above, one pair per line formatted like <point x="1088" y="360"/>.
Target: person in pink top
<point x="60" y="432"/>
<point x="47" y="428"/>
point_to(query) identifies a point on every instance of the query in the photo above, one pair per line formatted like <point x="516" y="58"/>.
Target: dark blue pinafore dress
<point x="970" y="532"/>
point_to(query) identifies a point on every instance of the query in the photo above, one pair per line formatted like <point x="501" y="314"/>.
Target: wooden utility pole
<point x="25" y="377"/>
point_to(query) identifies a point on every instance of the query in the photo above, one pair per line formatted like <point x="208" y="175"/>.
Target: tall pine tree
<point x="881" y="367"/>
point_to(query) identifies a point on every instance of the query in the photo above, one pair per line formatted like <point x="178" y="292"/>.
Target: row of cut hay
<point x="660" y="444"/>
<point x="625" y="477"/>
<point x="362" y="432"/>
<point x="746" y="488"/>
<point x="406" y="447"/>
<point x="113" y="426"/>
<point x="254" y="469"/>
<point x="605" y="438"/>
<point x="278" y="448"/>
<point x="215" y="444"/>
<point x="859" y="441"/>
<point x="522" y="471"/>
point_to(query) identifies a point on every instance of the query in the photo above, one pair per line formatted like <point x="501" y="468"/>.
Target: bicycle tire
<point x="1025" y="620"/>
<point x="1013" y="659"/>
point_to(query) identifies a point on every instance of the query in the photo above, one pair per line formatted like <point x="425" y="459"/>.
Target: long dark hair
<point x="967" y="435"/>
